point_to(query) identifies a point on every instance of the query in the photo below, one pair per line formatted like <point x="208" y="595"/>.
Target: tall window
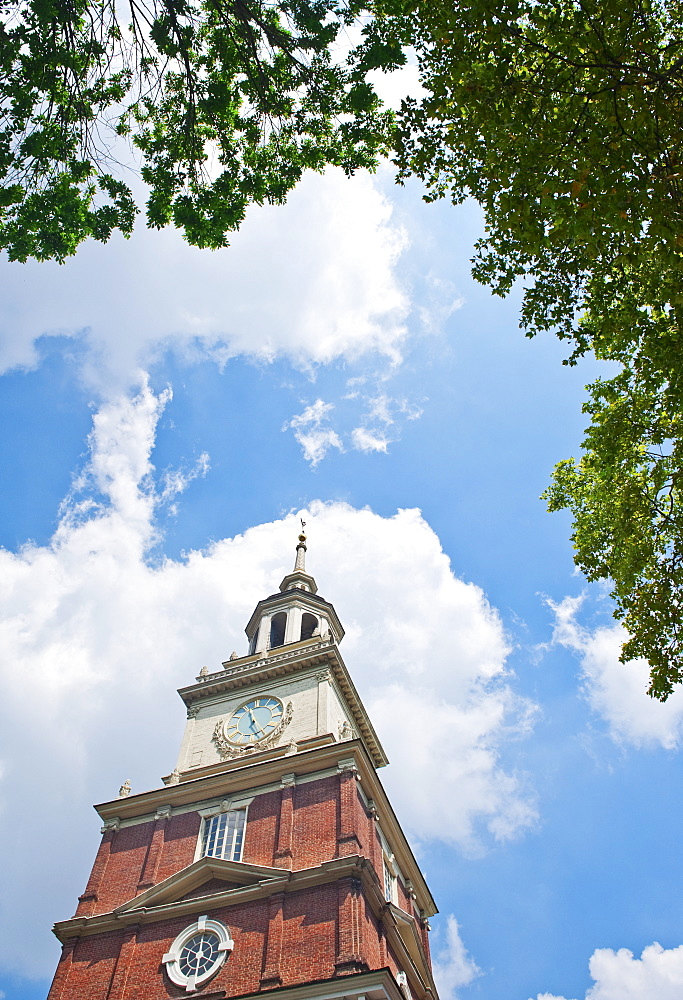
<point x="223" y="835"/>
<point x="389" y="883"/>
<point x="277" y="629"/>
<point x="309" y="623"/>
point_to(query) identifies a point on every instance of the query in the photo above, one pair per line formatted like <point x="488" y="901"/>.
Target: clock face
<point x="254" y="721"/>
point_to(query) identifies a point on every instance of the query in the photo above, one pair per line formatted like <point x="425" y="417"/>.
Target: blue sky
<point x="167" y="414"/>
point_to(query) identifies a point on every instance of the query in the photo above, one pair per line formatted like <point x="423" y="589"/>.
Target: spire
<point x="300" y="562"/>
<point x="299" y="579"/>
<point x="295" y="614"/>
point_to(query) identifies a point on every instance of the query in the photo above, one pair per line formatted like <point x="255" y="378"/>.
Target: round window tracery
<point x="198" y="953"/>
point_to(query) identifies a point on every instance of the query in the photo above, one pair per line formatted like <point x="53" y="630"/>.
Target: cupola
<point x="297" y="613"/>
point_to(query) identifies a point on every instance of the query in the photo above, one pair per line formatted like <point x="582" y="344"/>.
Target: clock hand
<point x="253" y="720"/>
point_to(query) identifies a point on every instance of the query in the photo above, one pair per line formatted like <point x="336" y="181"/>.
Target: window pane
<point x="278" y="623"/>
<point x="224" y="834"/>
<point x="388" y="883"/>
<point x="199" y="954"/>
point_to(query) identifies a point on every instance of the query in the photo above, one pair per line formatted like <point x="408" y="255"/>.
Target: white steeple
<point x="294" y="661"/>
<point x="299" y="578"/>
<point x="295" y="614"/>
<point x="300" y="561"/>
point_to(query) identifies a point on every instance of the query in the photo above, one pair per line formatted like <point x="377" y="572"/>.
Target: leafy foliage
<point x="226" y="101"/>
<point x="565" y="121"/>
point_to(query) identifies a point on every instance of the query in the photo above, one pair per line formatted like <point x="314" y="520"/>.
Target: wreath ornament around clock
<point x="255" y="725"/>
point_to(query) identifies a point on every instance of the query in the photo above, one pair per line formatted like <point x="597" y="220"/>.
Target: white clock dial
<point x="254" y="720"/>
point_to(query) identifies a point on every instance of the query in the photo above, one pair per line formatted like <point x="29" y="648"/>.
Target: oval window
<point x="198" y="953"/>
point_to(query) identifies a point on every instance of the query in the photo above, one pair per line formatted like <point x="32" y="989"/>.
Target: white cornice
<point x="376" y="985"/>
<point x="255" y="670"/>
<point x="213" y="804"/>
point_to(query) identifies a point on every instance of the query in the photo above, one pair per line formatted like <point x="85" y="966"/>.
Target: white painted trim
<point x="212" y="806"/>
<point x="209" y="814"/>
<point x="172" y="957"/>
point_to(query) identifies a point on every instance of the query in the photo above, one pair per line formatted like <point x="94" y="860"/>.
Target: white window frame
<point x="389" y="879"/>
<point x="172" y="957"/>
<point x="228" y="805"/>
<point x="402" y="980"/>
<point x="390" y="871"/>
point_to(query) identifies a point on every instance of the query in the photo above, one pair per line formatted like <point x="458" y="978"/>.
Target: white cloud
<point x="365" y="440"/>
<point x="317" y="442"/>
<point x="441" y="300"/>
<point x="380" y="414"/>
<point x="656" y="975"/>
<point x="313" y="415"/>
<point x="313" y="280"/>
<point x="314" y="438"/>
<point x="401" y="83"/>
<point x="372" y="435"/>
<point x="617" y="691"/>
<point x="95" y="636"/>
<point x="453" y="967"/>
<point x="379" y="409"/>
<point x="314" y="432"/>
<point x="176" y="481"/>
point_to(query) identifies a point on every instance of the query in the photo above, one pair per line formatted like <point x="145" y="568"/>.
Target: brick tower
<point x="270" y="859"/>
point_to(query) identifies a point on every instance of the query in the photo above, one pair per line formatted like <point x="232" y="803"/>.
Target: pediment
<point x="208" y="888"/>
<point x="233" y="874"/>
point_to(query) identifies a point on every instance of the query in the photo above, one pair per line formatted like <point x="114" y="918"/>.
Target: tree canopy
<point x="565" y="121"/>
<point x="227" y="102"/>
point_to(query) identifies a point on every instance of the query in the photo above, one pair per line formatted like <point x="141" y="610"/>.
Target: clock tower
<point x="270" y="859"/>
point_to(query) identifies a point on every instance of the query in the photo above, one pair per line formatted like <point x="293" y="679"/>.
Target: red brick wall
<point x="259" y="837"/>
<point x="124" y="866"/>
<point x="180" y="844"/>
<point x="376" y="853"/>
<point x="315" y="822"/>
<point x="92" y="967"/>
<point x="147" y="979"/>
<point x="310" y="933"/>
<point x="122" y="858"/>
<point x="315" y="829"/>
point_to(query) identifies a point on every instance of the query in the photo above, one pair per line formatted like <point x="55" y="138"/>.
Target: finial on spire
<point x="300" y="563"/>
<point x="299" y="579"/>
